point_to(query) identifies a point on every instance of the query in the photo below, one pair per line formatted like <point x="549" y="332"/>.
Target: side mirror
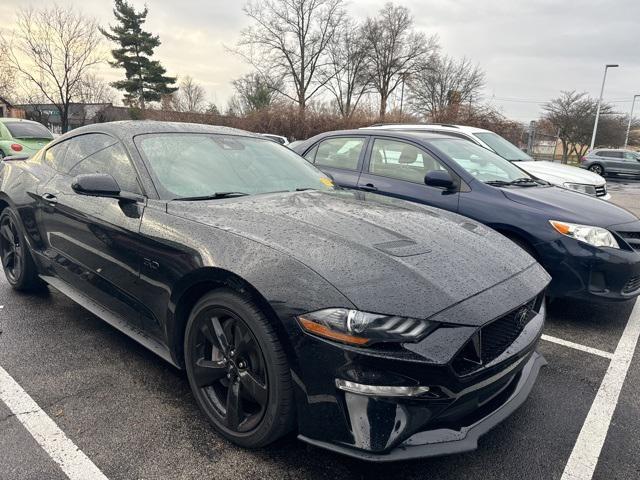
<point x="439" y="179"/>
<point x="96" y="184"/>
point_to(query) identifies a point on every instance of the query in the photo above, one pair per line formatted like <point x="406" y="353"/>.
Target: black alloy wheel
<point x="596" y="168"/>
<point x="237" y="370"/>
<point x="17" y="263"/>
<point x="11" y="249"/>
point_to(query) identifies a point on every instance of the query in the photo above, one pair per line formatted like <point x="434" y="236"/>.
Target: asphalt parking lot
<point x="131" y="416"/>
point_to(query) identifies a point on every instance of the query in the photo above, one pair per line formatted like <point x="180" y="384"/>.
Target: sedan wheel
<point x="597" y="169"/>
<point x="237" y="370"/>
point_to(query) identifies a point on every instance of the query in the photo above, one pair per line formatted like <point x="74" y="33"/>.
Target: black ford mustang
<point x="370" y="326"/>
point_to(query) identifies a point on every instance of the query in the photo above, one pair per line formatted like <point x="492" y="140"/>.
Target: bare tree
<point x="191" y="96"/>
<point x="572" y="115"/>
<point x="255" y="92"/>
<point x="444" y="83"/>
<point x="92" y="89"/>
<point x="288" y="41"/>
<point x="7" y="76"/>
<point x="347" y="73"/>
<point x="395" y="49"/>
<point x="53" y="49"/>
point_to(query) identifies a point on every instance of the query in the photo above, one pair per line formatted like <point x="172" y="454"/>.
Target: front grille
<point x="632" y="238"/>
<point x="495" y="338"/>
<point x="632" y="285"/>
<point x="601" y="190"/>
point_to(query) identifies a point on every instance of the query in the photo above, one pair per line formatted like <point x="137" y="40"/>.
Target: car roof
<point x="16" y="120"/>
<point x="601" y="149"/>
<point x="386" y="133"/>
<point x="444" y="127"/>
<point x="132" y="128"/>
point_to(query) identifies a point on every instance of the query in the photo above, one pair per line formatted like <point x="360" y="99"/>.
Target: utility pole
<point x="633" y="103"/>
<point x="595" y="125"/>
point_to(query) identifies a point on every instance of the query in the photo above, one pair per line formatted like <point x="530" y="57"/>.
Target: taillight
<point x="16" y="147"/>
<point x="583" y="159"/>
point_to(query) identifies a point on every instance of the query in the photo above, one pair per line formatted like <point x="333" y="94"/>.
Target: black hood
<point x="384" y="255"/>
<point x="570" y="206"/>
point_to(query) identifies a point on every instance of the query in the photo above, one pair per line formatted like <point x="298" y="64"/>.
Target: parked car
<point x="292" y="305"/>
<point x="557" y="174"/>
<point x="590" y="247"/>
<point x="606" y="161"/>
<point x="22" y="137"/>
<point x="276" y="138"/>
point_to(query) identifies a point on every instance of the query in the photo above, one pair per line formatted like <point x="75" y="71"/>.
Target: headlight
<point x="579" y="187"/>
<point x="596" y="236"/>
<point x="361" y="328"/>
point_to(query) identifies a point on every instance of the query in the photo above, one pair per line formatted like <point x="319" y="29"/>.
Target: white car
<point x="565" y="176"/>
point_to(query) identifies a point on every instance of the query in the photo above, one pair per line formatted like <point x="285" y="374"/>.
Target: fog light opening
<point x="381" y="391"/>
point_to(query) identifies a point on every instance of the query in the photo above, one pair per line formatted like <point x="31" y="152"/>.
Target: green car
<point x="22" y="137"/>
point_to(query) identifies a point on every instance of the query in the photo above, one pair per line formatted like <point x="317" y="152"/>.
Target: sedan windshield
<point x="483" y="164"/>
<point x="28" y="130"/>
<point x="204" y="166"/>
<point x="503" y="147"/>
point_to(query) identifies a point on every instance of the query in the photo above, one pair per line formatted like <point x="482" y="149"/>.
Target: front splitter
<point x="447" y="441"/>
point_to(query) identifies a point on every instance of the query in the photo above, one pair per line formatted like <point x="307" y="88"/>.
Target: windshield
<point x="197" y="165"/>
<point x="483" y="164"/>
<point x="28" y="130"/>
<point x="503" y="147"/>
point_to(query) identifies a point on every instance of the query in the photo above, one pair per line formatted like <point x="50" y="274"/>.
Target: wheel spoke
<point x="7" y="234"/>
<point x="256" y="390"/>
<point x="233" y="406"/>
<point x="8" y="258"/>
<point x="242" y="340"/>
<point x="207" y="372"/>
<point x="220" y="335"/>
<point x="17" y="266"/>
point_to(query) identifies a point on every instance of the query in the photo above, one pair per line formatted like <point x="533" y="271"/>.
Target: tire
<point x="2" y="155"/>
<point x="17" y="262"/>
<point x="597" y="168"/>
<point x="237" y="370"/>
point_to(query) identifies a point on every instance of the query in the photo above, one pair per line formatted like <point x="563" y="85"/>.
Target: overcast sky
<point x="529" y="49"/>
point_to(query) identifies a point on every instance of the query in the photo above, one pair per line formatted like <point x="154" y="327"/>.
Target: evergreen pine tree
<point x="145" y="78"/>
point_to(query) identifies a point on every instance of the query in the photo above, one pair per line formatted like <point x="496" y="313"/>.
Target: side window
<point x="310" y="156"/>
<point x="84" y="146"/>
<point x="114" y="161"/>
<point x="614" y="154"/>
<point x="341" y="152"/>
<point x="55" y="156"/>
<point x="602" y="153"/>
<point x="630" y="156"/>
<point x="390" y="158"/>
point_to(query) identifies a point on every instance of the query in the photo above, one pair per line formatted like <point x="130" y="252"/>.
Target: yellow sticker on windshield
<point x="326" y="181"/>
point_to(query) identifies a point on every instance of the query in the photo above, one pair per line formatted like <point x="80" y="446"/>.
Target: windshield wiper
<point x="213" y="196"/>
<point x="498" y="183"/>
<point x="304" y="189"/>
<point x="524" y="181"/>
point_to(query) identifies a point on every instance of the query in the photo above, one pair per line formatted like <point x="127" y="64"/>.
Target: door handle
<point x="50" y="198"/>
<point x="370" y="187"/>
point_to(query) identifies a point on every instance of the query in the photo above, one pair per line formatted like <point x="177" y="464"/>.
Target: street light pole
<point x="633" y="103"/>
<point x="595" y="125"/>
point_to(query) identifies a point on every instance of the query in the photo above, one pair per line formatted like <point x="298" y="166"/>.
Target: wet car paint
<point x="293" y="253"/>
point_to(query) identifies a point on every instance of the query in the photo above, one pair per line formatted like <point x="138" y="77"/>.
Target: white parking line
<point x="584" y="457"/>
<point x="577" y="346"/>
<point x="73" y="462"/>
